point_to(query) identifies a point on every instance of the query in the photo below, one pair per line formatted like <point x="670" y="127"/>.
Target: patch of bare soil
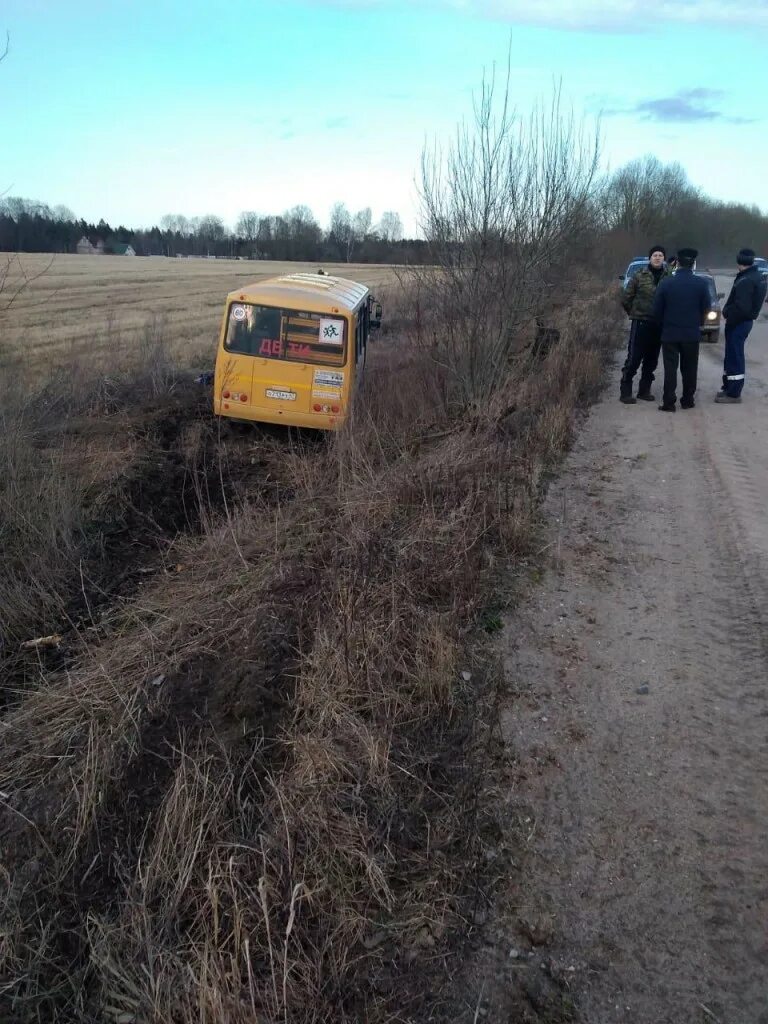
<point x="633" y="751"/>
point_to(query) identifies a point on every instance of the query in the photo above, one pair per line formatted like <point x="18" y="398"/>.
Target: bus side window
<point x="359" y="343"/>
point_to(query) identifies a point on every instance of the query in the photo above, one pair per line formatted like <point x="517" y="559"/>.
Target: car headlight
<point x="711" y="315"/>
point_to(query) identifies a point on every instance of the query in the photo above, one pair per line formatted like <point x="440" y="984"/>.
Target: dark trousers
<point x="644" y="348"/>
<point x="686" y="354"/>
<point x="734" y="364"/>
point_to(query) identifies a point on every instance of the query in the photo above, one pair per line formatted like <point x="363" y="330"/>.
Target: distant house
<point x="86" y="248"/>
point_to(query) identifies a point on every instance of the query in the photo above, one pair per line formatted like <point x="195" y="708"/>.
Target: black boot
<point x="646" y="396"/>
<point x="625" y="393"/>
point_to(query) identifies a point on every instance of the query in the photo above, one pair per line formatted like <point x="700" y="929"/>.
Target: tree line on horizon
<point x="644" y="202"/>
<point x="32" y="226"/>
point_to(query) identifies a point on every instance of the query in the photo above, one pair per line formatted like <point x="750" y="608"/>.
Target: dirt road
<point x="641" y="731"/>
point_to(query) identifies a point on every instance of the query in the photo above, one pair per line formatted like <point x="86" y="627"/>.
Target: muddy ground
<point x="634" y="748"/>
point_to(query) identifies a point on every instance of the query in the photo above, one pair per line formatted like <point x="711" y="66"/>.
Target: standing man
<point x="740" y="312"/>
<point x="680" y="307"/>
<point x="644" y="338"/>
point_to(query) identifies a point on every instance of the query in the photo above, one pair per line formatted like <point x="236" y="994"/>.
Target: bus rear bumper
<point x="286" y="418"/>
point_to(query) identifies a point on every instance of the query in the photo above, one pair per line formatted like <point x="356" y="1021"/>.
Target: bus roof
<point x="313" y="292"/>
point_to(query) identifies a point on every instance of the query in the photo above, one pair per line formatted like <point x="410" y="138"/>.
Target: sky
<point x="131" y="109"/>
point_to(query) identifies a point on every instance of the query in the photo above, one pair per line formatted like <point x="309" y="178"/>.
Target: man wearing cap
<point x="740" y="312"/>
<point x="644" y="338"/>
<point x="680" y="306"/>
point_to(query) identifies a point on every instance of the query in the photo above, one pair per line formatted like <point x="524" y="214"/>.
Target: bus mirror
<point x="376" y="315"/>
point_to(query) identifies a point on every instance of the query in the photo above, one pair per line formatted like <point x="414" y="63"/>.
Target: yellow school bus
<point x="292" y="350"/>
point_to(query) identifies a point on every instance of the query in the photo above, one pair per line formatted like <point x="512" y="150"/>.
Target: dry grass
<point x="250" y="798"/>
<point x="86" y="306"/>
<point x="71" y="457"/>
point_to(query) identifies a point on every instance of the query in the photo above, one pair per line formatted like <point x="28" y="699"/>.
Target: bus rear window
<point x="289" y="334"/>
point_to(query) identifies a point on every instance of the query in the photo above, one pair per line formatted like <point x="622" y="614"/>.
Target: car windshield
<point x="761" y="263"/>
<point x="290" y="334"/>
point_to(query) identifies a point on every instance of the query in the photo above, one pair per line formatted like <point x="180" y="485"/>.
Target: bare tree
<point x="247" y="226"/>
<point x="346" y="230"/>
<point x="641" y="196"/>
<point x="176" y="222"/>
<point x="498" y="207"/>
<point x="362" y="223"/>
<point x="390" y="227"/>
<point x="266" y="232"/>
<point x="340" y="230"/>
<point x="211" y="227"/>
<point x="303" y="233"/>
<point x="63" y="213"/>
<point x="18" y="206"/>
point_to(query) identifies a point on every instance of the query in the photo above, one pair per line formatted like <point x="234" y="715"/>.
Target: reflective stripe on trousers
<point x="734" y="367"/>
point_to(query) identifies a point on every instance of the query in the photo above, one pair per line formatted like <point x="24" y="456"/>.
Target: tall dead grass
<point x="253" y="800"/>
<point x="74" y="450"/>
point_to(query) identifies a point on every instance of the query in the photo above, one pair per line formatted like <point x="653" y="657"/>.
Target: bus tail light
<point x="243" y="398"/>
<point x="317" y="408"/>
<point x="225" y="394"/>
<point x="335" y="408"/>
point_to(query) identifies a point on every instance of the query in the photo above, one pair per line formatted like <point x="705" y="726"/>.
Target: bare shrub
<point x="500" y="207"/>
<point x="155" y="363"/>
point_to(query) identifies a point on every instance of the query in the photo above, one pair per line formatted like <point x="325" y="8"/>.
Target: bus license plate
<point x="285" y="396"/>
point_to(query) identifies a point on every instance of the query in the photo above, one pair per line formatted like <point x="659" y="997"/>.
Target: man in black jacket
<point x="740" y="312"/>
<point x="680" y="306"/>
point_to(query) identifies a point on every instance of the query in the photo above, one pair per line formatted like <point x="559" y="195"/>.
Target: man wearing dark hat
<point x="740" y="312"/>
<point x="680" y="306"/>
<point x="644" y="337"/>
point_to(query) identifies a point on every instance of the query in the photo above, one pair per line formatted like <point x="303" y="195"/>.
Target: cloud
<point x="338" y="121"/>
<point x="625" y="17"/>
<point x="688" y="106"/>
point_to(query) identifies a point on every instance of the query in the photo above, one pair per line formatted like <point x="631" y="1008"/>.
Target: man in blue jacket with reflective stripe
<point x="740" y="312"/>
<point x="680" y="306"/>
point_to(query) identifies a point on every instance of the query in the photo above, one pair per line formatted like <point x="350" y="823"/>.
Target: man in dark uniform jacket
<point x="680" y="306"/>
<point x="740" y="312"/>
